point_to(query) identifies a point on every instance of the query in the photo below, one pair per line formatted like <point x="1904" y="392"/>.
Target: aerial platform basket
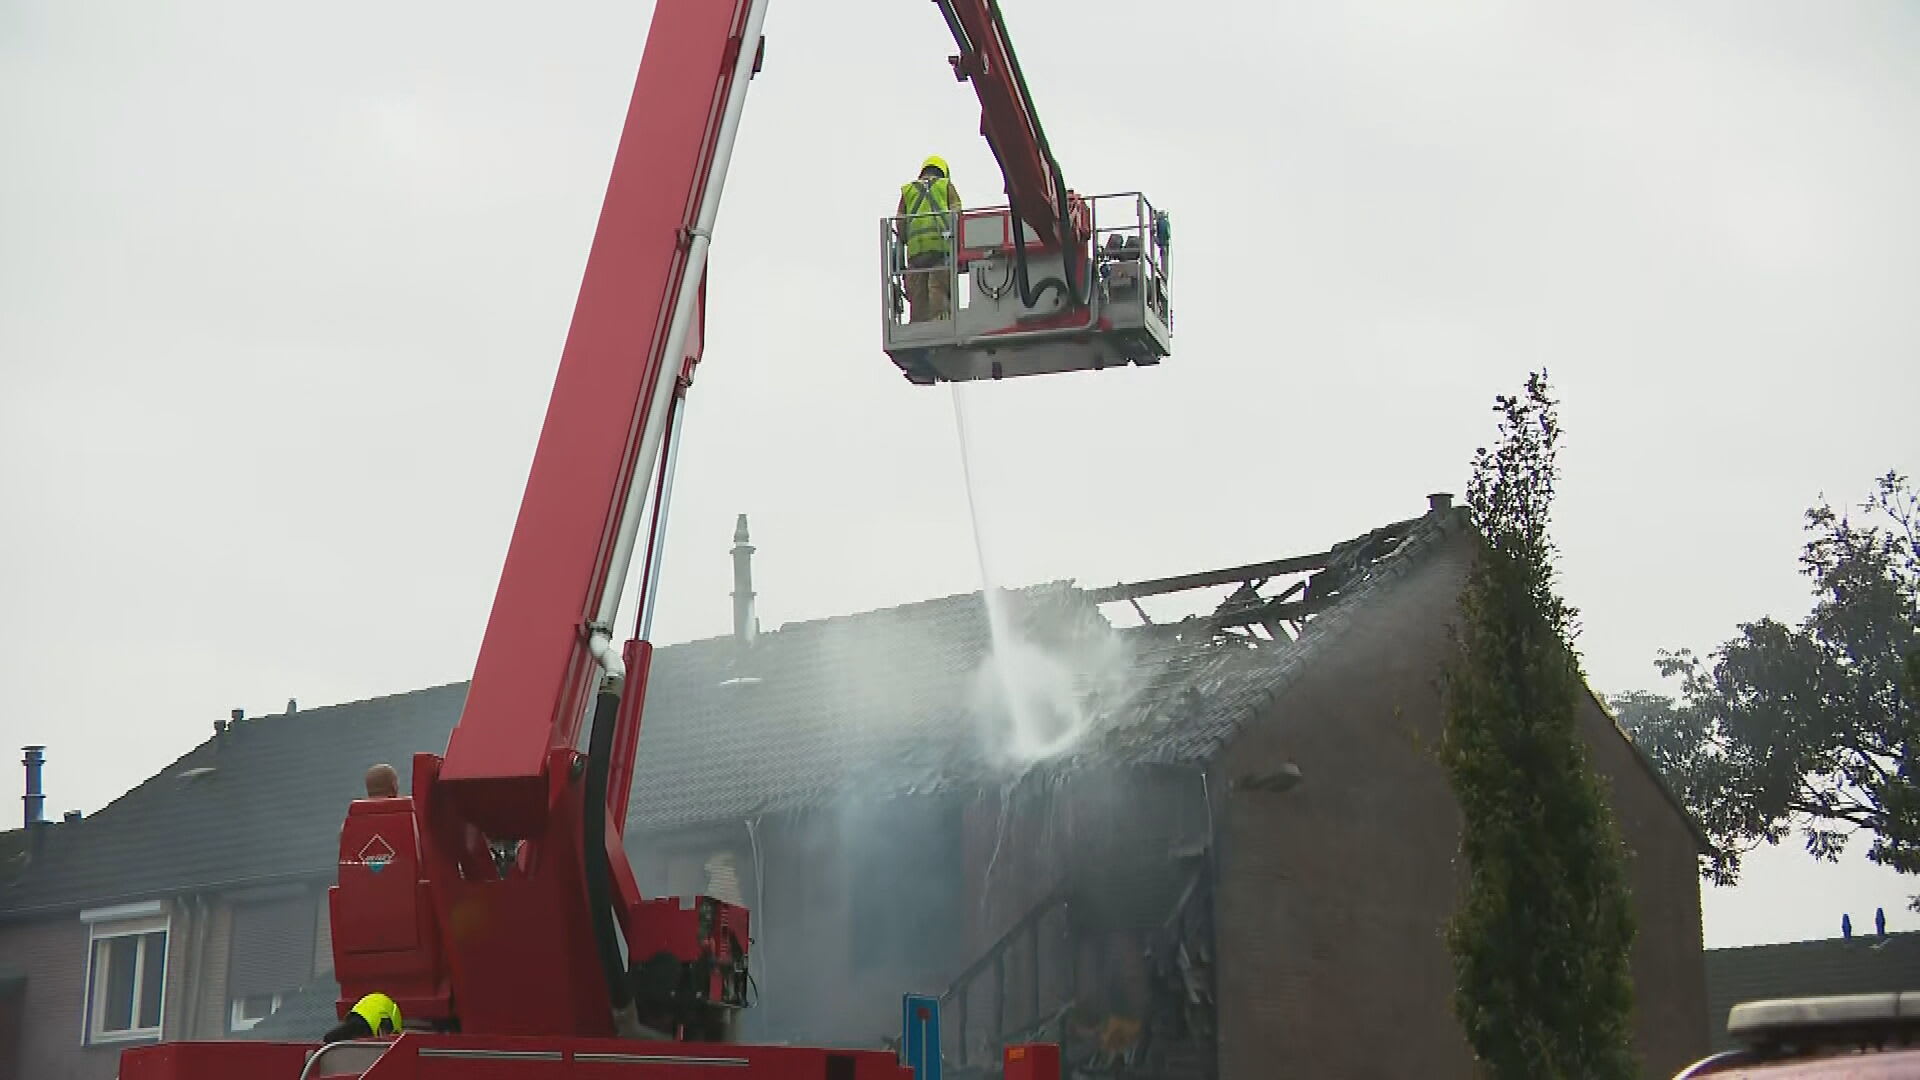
<point x="1099" y="303"/>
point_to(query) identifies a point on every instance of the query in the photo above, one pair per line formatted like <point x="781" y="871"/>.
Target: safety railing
<point x="1130" y="248"/>
<point x="908" y="285"/>
<point x="1128" y="251"/>
<point x="352" y="1057"/>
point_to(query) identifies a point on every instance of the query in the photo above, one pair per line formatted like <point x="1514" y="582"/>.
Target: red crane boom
<point x="1035" y="189"/>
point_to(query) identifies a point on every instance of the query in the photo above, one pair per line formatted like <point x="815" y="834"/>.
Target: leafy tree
<point x="1811" y="726"/>
<point x="1544" y="933"/>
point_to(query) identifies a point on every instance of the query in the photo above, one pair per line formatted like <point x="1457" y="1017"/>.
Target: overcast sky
<point x="282" y="290"/>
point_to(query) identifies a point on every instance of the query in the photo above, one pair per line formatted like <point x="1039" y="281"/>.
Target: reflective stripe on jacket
<point x="925" y="205"/>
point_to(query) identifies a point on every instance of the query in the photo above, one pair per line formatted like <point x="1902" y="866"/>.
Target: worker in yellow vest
<point x="375" y="1014"/>
<point x="927" y="219"/>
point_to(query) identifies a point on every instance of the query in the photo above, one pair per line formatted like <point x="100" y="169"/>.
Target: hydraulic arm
<point x="525" y="866"/>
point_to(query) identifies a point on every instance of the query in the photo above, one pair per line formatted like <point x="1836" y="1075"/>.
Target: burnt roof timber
<point x="1271" y="611"/>
<point x="1234" y="575"/>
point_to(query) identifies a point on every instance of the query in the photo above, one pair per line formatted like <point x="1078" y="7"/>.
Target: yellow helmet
<point x="935" y="161"/>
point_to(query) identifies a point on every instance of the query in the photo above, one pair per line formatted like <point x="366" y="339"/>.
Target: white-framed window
<point x="250" y="1010"/>
<point x="126" y="972"/>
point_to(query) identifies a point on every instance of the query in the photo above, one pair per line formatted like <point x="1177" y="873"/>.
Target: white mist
<point x="1021" y="682"/>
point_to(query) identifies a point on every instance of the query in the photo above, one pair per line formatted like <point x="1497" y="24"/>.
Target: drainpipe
<point x="197" y="980"/>
<point x="190" y="979"/>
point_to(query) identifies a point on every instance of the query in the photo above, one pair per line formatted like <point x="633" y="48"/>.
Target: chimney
<point x="293" y="706"/>
<point x="71" y="817"/>
<point x="35" y="800"/>
<point x="1439" y="501"/>
<point x="36" y="796"/>
<point x="746" y="626"/>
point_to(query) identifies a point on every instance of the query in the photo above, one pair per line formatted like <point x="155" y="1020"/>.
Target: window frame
<point x="106" y="924"/>
<point x="236" y="1024"/>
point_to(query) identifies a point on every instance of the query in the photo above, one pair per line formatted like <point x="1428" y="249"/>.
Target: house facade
<point x="1217" y="846"/>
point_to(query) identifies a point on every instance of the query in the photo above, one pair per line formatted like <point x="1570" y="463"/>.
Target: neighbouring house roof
<point x="13" y="854"/>
<point x="303" y="1015"/>
<point x="1858" y="965"/>
<point x="261" y="802"/>
<point x="890" y="701"/>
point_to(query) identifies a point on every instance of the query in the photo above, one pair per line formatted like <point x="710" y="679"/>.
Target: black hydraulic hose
<point x="606" y="716"/>
<point x="1029" y="294"/>
<point x="1066" y="231"/>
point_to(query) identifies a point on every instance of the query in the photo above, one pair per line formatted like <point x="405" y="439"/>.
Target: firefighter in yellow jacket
<point x="927" y="219"/>
<point x="375" y="1014"/>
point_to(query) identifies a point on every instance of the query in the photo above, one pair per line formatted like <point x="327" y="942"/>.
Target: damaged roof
<point x="895" y="701"/>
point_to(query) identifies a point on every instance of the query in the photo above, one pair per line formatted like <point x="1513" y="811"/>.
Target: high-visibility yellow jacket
<point x="375" y="1008"/>
<point x="926" y="205"/>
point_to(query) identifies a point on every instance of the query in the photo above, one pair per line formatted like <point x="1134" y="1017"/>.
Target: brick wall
<point x="1333" y="896"/>
<point x="1669" y="961"/>
<point x="53" y="953"/>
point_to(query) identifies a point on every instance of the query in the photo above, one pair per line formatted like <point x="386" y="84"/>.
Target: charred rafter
<point x="1308" y="584"/>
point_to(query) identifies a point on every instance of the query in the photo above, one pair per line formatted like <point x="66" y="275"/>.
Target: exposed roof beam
<point x="1230" y="576"/>
<point x="1233" y="575"/>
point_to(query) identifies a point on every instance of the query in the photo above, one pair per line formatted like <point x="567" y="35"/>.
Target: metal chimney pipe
<point x="36" y="796"/>
<point x="746" y="626"/>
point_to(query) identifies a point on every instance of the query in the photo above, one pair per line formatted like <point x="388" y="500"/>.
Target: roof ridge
<point x="1857" y="939"/>
<point x="167" y="770"/>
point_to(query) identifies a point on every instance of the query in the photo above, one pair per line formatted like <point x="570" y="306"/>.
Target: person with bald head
<point x="383" y="782"/>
